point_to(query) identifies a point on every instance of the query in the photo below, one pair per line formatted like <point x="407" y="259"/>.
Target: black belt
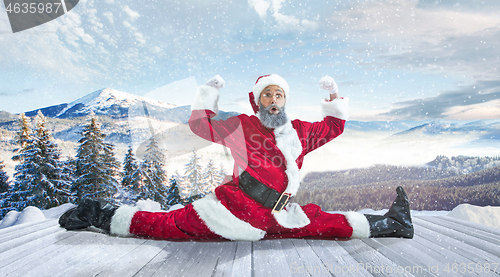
<point x="263" y="194"/>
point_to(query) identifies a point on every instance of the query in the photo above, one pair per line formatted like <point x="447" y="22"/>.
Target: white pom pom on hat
<point x="265" y="81"/>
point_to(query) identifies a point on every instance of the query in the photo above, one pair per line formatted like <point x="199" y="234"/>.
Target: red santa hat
<point x="263" y="82"/>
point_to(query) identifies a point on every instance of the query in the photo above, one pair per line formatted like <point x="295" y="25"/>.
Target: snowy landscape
<point x="95" y="103"/>
<point x="129" y="122"/>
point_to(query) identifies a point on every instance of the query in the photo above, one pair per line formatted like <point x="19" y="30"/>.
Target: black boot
<point x="90" y="212"/>
<point x="396" y="222"/>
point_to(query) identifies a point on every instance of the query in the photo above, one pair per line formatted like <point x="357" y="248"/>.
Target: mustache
<point x="272" y="106"/>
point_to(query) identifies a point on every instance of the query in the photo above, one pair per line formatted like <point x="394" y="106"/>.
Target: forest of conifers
<point x="440" y="185"/>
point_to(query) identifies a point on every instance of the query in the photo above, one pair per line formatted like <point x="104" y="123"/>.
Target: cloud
<point x="487" y="110"/>
<point x="260" y="6"/>
<point x="462" y="102"/>
<point x="109" y="17"/>
<point x="133" y="14"/>
<point x="405" y="19"/>
<point x="284" y="23"/>
<point x="423" y="37"/>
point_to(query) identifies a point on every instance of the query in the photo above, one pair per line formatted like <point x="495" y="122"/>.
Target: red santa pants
<point x="186" y="224"/>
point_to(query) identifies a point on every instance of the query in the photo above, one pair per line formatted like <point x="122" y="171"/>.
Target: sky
<point x="394" y="59"/>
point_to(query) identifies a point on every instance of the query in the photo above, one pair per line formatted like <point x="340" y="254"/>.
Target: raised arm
<point x="335" y="112"/>
<point x="205" y="107"/>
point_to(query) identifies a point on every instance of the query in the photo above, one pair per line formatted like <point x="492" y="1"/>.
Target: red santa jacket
<point x="272" y="156"/>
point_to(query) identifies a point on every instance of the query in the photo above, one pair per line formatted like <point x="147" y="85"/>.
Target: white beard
<point x="272" y="120"/>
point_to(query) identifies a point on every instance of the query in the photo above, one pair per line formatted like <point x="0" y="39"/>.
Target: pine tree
<point x="154" y="173"/>
<point x="39" y="179"/>
<point x="4" y="179"/>
<point x="23" y="135"/>
<point x="173" y="192"/>
<point x="129" y="168"/>
<point x="96" y="167"/>
<point x="194" y="178"/>
<point x="221" y="174"/>
<point x="139" y="190"/>
<point x="4" y="189"/>
<point x="210" y="178"/>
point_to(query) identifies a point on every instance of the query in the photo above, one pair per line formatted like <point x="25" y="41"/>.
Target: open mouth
<point x="274" y="110"/>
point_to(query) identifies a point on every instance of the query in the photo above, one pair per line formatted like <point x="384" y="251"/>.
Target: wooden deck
<point x="443" y="246"/>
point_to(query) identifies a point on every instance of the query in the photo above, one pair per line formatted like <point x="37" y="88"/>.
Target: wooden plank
<point x="336" y="258"/>
<point x="171" y="252"/>
<point x="269" y="259"/>
<point x="484" y="228"/>
<point x="135" y="260"/>
<point x="38" y="234"/>
<point x="444" y="261"/>
<point x="293" y="259"/>
<point x="16" y="231"/>
<point x="371" y="260"/>
<point x="472" y="231"/>
<point x="309" y="260"/>
<point x="30" y="252"/>
<point x="449" y="250"/>
<point x="226" y="260"/>
<point x="407" y="257"/>
<point x="116" y="249"/>
<point x="471" y="240"/>
<point x="33" y="264"/>
<point x="61" y="263"/>
<point x="89" y="250"/>
<point x="189" y="259"/>
<point x="242" y="264"/>
<point x="203" y="261"/>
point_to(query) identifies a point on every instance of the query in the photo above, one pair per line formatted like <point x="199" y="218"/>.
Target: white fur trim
<point x="206" y="98"/>
<point x="359" y="224"/>
<point x="222" y="222"/>
<point x="292" y="217"/>
<point x="121" y="220"/>
<point x="288" y="143"/>
<point x="338" y="108"/>
<point x="273" y="79"/>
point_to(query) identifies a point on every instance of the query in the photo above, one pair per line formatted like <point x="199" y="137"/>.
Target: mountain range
<point x="128" y="114"/>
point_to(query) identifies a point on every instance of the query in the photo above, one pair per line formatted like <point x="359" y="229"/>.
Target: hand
<point x="329" y="84"/>
<point x="216" y="82"/>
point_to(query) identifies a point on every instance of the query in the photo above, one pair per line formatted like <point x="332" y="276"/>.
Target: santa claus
<point x="268" y="149"/>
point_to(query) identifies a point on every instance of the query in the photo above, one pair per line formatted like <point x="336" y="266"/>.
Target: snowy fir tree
<point x="96" y="167"/>
<point x="193" y="179"/>
<point x="173" y="192"/>
<point x="210" y="178"/>
<point x="138" y="189"/>
<point x="154" y="174"/>
<point x="39" y="179"/>
<point x="221" y="174"/>
<point x="4" y="188"/>
<point x="4" y="179"/>
<point x="129" y="168"/>
<point x="23" y="134"/>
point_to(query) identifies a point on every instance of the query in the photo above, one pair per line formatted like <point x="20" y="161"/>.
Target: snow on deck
<point x="442" y="246"/>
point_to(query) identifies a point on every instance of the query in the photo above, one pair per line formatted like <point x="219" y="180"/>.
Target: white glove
<point x="216" y="82"/>
<point x="329" y="84"/>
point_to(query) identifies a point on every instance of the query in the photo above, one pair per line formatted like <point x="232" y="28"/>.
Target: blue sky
<point x="395" y="60"/>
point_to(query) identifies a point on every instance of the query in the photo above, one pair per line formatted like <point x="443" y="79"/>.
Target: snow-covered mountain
<point x="131" y="118"/>
<point x="110" y="102"/>
<point x="121" y="105"/>
<point x="439" y="127"/>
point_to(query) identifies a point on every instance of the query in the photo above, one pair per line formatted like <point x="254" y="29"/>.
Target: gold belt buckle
<point x="281" y="203"/>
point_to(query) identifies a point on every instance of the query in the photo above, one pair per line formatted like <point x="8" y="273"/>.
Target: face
<point x="273" y="95"/>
